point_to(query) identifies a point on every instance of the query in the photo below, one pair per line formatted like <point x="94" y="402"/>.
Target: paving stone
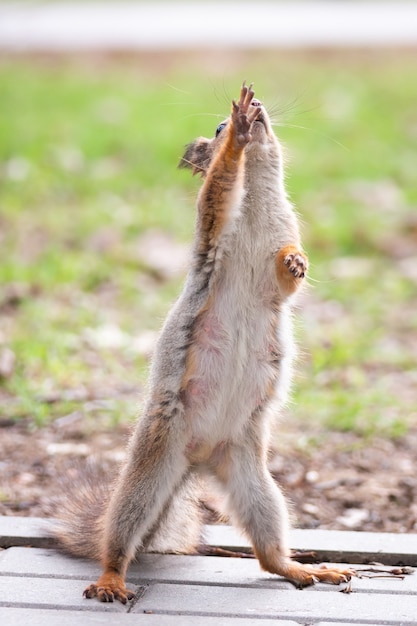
<point x="51" y="617"/>
<point x="333" y="546"/>
<point x="336" y="546"/>
<point x="30" y="592"/>
<point x="358" y="547"/>
<point x="151" y="567"/>
<point x="25" y="531"/>
<point x="173" y="568"/>
<point x="42" y="586"/>
<point x="307" y="606"/>
<point x="46" y="563"/>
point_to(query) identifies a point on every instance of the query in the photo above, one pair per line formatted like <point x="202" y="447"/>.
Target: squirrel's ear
<point x="197" y="156"/>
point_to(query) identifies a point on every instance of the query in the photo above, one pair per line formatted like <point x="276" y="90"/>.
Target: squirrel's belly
<point x="233" y="374"/>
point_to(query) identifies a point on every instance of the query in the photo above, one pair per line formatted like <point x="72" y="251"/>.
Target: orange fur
<point x="291" y="268"/>
<point x="302" y="575"/>
<point x="110" y="586"/>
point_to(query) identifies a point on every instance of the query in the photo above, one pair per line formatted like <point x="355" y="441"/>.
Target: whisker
<point x="187" y="93"/>
<point x="215" y="90"/>
<point x="164" y="104"/>
<point x="226" y="96"/>
<point x="282" y="108"/>
<point x="216" y="115"/>
<point x="320" y="282"/>
<point x="313" y="130"/>
<point x="201" y="168"/>
<point x="221" y="98"/>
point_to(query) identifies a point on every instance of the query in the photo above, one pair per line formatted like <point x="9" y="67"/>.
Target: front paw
<point x="291" y="268"/>
<point x="296" y="263"/>
<point x="244" y="114"/>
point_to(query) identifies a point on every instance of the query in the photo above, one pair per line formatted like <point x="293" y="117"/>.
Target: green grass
<point x="88" y="155"/>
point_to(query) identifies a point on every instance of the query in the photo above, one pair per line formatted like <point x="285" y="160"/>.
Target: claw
<point x="296" y="264"/>
<point x="110" y="589"/>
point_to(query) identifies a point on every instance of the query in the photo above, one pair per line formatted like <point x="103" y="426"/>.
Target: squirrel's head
<point x="200" y="152"/>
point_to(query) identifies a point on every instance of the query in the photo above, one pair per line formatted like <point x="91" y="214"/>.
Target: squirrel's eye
<point x="219" y="129"/>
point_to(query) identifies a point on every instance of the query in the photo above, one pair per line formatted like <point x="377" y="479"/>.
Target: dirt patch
<point x="334" y="480"/>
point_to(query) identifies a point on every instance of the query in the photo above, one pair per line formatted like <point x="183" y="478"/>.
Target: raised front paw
<point x="296" y="263"/>
<point x="244" y="114"/>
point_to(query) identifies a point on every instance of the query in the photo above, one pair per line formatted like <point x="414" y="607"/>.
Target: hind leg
<point x="259" y="508"/>
<point x="155" y="469"/>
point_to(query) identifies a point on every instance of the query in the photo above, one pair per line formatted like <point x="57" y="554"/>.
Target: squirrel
<point x="221" y="370"/>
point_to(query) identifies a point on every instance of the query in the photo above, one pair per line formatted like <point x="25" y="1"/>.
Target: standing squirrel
<point x="221" y="368"/>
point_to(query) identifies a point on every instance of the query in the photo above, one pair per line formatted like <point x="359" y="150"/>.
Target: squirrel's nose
<point x="256" y="103"/>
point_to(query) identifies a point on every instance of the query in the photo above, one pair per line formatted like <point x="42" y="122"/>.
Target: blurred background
<point x="97" y="101"/>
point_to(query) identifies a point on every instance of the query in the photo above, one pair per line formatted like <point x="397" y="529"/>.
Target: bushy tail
<point x="79" y="511"/>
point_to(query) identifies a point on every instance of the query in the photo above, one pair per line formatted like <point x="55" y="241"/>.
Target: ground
<point x="339" y="482"/>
